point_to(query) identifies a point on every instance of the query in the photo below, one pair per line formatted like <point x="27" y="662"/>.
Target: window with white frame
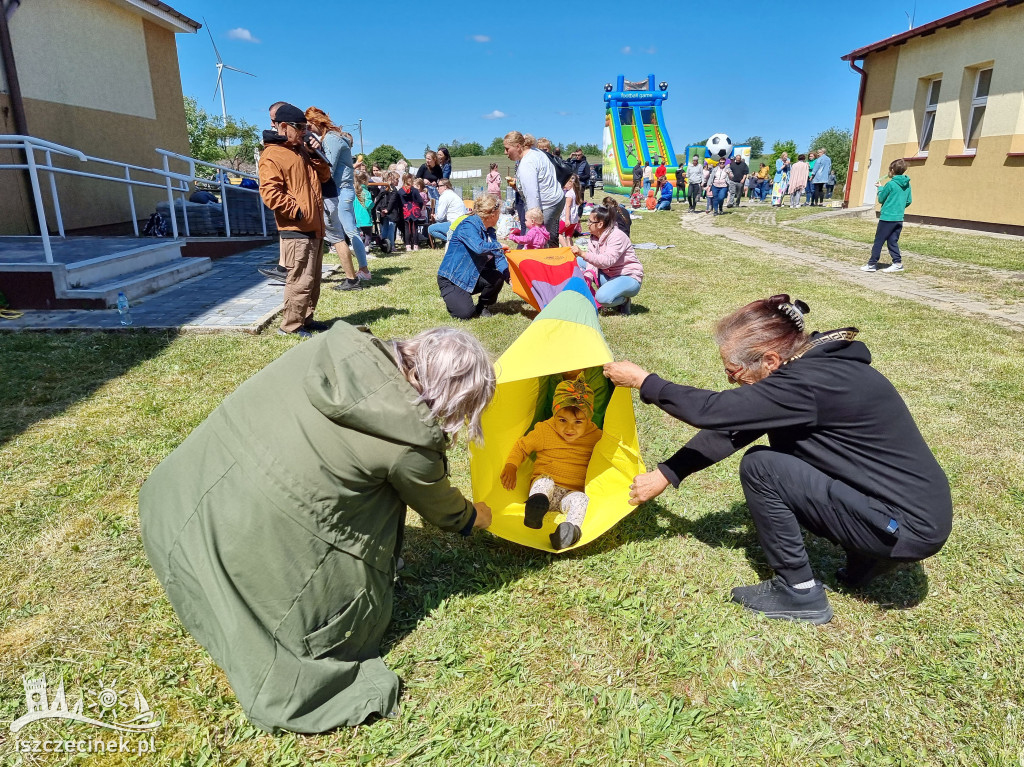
<point x="980" y="99"/>
<point x="931" y="104"/>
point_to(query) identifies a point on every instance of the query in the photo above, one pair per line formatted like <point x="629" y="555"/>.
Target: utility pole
<point x="361" y="151"/>
<point x="13" y="85"/>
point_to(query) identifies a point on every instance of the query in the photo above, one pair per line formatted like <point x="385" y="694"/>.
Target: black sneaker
<point x="315" y="326"/>
<point x="626" y="307"/>
<point x="777" y="599"/>
<point x="301" y="333"/>
<point x="565" y="535"/>
<point x="536" y="508"/>
<point x="347" y="284"/>
<point x="278" y="273"/>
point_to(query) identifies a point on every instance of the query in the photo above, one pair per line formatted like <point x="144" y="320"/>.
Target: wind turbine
<point x="221" y="66"/>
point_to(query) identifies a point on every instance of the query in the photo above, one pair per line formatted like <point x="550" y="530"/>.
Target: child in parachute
<point x="536" y="236"/>
<point x="563" y="444"/>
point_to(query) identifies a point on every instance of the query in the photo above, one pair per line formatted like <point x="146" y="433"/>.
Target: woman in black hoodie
<point x="845" y="458"/>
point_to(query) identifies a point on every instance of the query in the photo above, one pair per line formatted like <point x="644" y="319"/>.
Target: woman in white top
<point x="536" y="182"/>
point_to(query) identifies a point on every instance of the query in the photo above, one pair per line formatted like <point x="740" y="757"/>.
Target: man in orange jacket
<point x="290" y="179"/>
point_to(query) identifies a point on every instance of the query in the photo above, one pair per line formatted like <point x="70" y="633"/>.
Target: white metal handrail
<point x="220" y="178"/>
<point x="174" y="183"/>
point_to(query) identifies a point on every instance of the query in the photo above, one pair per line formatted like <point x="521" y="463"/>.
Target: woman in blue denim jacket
<point x="474" y="262"/>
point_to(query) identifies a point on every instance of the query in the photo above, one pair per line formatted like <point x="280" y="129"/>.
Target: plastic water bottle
<point x="123" y="309"/>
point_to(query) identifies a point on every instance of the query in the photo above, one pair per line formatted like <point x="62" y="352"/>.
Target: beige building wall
<point x="881" y="75"/>
<point x="103" y="79"/>
<point x="946" y="183"/>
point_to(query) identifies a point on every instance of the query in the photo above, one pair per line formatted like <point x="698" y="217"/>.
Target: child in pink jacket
<point x="494" y="181"/>
<point x="536" y="236"/>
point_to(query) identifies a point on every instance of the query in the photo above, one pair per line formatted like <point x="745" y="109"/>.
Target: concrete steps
<point x="92" y="271"/>
<point x="142" y="282"/>
<point x="135" y="272"/>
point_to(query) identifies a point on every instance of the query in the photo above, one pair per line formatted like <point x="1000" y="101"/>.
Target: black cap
<point x="289" y="113"/>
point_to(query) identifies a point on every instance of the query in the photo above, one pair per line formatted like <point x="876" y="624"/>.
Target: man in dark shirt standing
<point x="638" y="176"/>
<point x="581" y="168"/>
<point x="738" y="171"/>
<point x="680" y="181"/>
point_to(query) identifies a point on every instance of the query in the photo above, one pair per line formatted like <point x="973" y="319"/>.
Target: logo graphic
<point x="106" y="708"/>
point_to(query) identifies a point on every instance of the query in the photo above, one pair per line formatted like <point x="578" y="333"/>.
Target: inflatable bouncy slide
<point x="634" y="131"/>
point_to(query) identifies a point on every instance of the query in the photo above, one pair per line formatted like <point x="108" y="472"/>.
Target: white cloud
<point x="481" y="38"/>
<point x="497" y="114"/>
<point x="565" y="114"/>
<point x="652" y="50"/>
<point x="241" y="33"/>
<point x="627" y="50"/>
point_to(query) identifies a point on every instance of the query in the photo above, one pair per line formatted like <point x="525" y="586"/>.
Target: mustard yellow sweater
<point x="565" y="462"/>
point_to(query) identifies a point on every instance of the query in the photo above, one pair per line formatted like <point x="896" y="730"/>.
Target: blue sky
<point x="473" y="71"/>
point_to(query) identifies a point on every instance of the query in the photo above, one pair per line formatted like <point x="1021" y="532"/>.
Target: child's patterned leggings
<point x="572" y="502"/>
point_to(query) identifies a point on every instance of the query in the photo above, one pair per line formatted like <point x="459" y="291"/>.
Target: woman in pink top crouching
<point x="609" y="250"/>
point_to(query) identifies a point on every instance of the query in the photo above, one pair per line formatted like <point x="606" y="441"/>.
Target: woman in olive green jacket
<point x="276" y="525"/>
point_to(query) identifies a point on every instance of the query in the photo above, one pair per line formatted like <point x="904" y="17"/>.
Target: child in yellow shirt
<point x="563" y="444"/>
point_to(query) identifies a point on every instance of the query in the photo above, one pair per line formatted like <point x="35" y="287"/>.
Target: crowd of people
<point x="723" y="183"/>
<point x="807" y="181"/>
<point x="321" y="194"/>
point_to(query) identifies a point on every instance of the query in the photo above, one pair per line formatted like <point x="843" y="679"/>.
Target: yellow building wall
<point x="101" y="61"/>
<point x="88" y="101"/>
<point x="971" y="189"/>
<point x="881" y="75"/>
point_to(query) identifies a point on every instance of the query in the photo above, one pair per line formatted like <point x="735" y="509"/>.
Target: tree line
<point x="212" y="139"/>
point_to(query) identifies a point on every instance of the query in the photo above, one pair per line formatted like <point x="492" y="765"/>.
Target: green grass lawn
<point x="623" y="652"/>
<point x="956" y="250"/>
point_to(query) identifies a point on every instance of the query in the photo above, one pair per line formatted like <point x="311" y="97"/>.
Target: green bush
<point x="383" y="155"/>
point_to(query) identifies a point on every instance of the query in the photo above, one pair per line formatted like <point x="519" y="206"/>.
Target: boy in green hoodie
<point x="895" y="197"/>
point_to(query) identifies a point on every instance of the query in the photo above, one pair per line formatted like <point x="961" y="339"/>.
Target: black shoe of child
<point x="565" y="535"/>
<point x="536" y="508"/>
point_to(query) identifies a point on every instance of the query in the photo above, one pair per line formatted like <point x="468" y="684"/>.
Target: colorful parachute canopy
<point x="565" y="336"/>
<point x="540" y="275"/>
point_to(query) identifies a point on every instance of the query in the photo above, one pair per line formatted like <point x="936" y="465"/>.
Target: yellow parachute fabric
<point x="565" y="336"/>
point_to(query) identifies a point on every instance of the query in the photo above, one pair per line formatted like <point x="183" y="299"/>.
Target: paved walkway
<point x="231" y="297"/>
<point x="906" y="286"/>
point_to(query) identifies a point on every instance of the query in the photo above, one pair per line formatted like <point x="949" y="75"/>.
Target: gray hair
<point x="454" y="376"/>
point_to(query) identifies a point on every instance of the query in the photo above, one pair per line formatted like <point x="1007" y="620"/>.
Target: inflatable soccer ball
<point x="719" y="146"/>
